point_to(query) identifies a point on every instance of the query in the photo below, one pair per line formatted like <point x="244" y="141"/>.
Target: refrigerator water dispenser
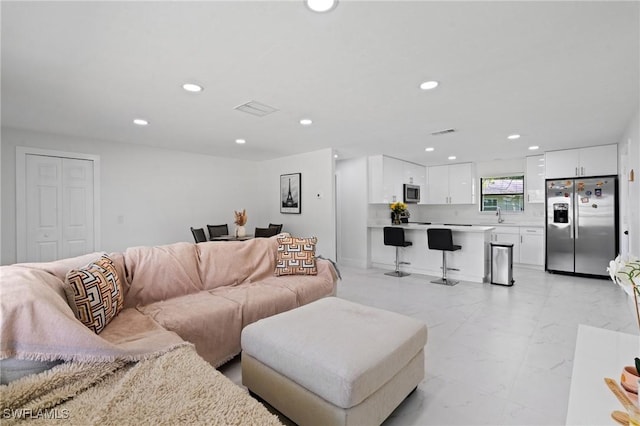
<point x="560" y="213"/>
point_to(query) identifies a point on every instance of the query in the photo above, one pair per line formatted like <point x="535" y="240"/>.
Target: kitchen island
<point x="472" y="261"/>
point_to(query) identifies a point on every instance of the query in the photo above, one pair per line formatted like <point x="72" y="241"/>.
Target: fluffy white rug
<point x="178" y="387"/>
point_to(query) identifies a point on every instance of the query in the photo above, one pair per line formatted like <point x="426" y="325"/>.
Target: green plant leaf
<point x="638" y="365"/>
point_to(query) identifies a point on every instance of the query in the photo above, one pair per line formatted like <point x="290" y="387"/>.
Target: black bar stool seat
<point x="442" y="239"/>
<point x="394" y="236"/>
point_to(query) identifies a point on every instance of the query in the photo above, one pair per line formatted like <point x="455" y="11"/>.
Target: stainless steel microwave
<point x="411" y="193"/>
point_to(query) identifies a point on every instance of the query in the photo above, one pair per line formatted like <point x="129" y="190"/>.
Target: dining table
<point x="231" y="238"/>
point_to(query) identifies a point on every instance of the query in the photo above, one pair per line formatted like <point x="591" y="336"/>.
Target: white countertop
<point x="522" y="224"/>
<point x="419" y="227"/>
<point x="493" y="224"/>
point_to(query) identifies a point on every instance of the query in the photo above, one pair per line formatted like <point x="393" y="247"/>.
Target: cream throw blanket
<point x="178" y="387"/>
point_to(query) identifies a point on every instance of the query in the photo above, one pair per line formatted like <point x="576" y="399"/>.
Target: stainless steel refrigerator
<point x="582" y="225"/>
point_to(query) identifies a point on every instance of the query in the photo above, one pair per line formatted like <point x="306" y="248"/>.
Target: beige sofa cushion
<point x="257" y="300"/>
<point x="160" y="273"/>
<point x="212" y="323"/>
<point x="308" y="287"/>
<point x="225" y="263"/>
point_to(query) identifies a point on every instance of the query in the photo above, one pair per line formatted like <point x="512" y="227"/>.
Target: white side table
<point x="599" y="353"/>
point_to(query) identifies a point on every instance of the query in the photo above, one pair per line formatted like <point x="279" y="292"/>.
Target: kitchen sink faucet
<point x="499" y="214"/>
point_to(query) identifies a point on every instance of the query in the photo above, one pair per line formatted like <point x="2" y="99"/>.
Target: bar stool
<point x="442" y="239"/>
<point x="394" y="236"/>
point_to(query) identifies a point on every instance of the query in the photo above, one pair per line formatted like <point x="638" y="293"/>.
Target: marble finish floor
<point x="494" y="355"/>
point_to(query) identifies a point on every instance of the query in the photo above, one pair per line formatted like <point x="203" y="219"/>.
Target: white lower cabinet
<point x="532" y="246"/>
<point x="508" y="235"/>
<point x="528" y="243"/>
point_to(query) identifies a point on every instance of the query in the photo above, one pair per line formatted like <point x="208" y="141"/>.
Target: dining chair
<point x="278" y="227"/>
<point x="264" y="232"/>
<point x="218" y="230"/>
<point x="199" y="235"/>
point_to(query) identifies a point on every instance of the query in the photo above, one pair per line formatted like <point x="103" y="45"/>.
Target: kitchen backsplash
<point x="462" y="213"/>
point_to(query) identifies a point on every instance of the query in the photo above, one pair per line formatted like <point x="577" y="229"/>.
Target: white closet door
<point x="77" y="207"/>
<point x="59" y="207"/>
<point x="44" y="197"/>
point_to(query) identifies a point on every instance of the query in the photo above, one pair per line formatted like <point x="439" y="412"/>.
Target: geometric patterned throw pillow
<point x="95" y="293"/>
<point x="296" y="256"/>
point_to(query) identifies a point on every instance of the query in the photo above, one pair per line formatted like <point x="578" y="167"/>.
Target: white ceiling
<point x="561" y="74"/>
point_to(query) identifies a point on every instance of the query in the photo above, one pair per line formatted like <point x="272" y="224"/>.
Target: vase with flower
<point x="240" y="221"/>
<point x="398" y="209"/>
<point x="626" y="273"/>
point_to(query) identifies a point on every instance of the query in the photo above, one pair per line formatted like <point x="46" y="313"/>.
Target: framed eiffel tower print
<point x="290" y="191"/>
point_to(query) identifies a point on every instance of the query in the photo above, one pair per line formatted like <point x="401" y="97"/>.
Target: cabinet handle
<point x="582" y="171"/>
<point x="528" y="198"/>
<point x="577" y="172"/>
<point x="520" y="239"/>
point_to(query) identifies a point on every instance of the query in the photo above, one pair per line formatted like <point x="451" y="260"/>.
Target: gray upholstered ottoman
<point x="334" y="362"/>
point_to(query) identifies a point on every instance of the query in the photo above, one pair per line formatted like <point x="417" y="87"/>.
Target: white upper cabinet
<point x="599" y="160"/>
<point x="438" y="185"/>
<point x="461" y="184"/>
<point x="415" y="174"/>
<point x="392" y="177"/>
<point x="534" y="179"/>
<point x="452" y="184"/>
<point x="387" y="176"/>
<point x="592" y="161"/>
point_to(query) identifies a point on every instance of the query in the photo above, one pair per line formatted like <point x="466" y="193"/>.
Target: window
<point x="506" y="192"/>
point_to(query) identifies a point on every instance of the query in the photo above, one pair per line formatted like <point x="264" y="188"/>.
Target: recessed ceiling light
<point x="306" y="121"/>
<point x="240" y="141"/>
<point x="428" y="85"/>
<point x="451" y="157"/>
<point x="140" y="122"/>
<point x="430" y="149"/>
<point x="321" y="5"/>
<point x="192" y="87"/>
<point x="335" y="155"/>
<point x="534" y="147"/>
<point x="513" y="137"/>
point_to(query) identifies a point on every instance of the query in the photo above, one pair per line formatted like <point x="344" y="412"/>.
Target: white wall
<point x="629" y="146"/>
<point x="158" y="193"/>
<point x="317" y="216"/>
<point x="352" y="232"/>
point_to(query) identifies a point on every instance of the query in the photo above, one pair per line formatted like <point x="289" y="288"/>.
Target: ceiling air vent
<point x="443" y="132"/>
<point x="256" y="108"/>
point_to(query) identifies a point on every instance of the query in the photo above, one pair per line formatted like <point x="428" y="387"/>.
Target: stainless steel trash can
<point x="502" y="264"/>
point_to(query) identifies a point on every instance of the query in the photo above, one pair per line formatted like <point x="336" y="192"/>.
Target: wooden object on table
<point x="617" y="391"/>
